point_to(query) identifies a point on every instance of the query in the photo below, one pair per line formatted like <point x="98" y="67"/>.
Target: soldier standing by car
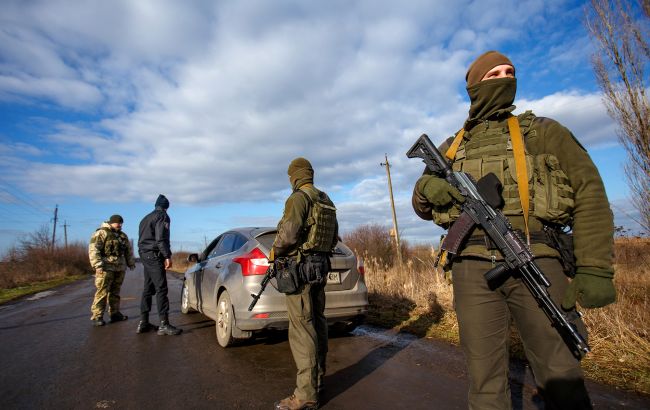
<point x="110" y="252"/>
<point x="307" y="235"/>
<point x="565" y="191"/>
<point x="156" y="255"/>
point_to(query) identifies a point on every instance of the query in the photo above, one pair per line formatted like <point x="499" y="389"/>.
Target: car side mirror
<point x="193" y="258"/>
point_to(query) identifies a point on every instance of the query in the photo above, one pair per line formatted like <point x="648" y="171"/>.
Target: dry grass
<point x="179" y="261"/>
<point x="417" y="298"/>
<point x="21" y="266"/>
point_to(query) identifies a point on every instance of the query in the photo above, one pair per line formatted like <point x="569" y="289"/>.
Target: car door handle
<point x="217" y="265"/>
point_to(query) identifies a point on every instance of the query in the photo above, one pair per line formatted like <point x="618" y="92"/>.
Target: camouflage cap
<point x="484" y="63"/>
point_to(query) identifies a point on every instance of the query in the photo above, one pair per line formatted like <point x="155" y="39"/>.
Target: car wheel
<point x="185" y="300"/>
<point x="225" y="320"/>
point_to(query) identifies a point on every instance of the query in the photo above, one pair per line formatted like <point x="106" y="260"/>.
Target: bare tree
<point x="37" y="240"/>
<point x="621" y="31"/>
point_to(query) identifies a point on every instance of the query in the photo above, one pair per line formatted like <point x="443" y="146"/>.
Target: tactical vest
<point x="114" y="244"/>
<point x="488" y="148"/>
<point x="320" y="227"/>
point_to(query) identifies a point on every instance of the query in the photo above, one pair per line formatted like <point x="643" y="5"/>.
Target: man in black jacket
<point x="156" y="256"/>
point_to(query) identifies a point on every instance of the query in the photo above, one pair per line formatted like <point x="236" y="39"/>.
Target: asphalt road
<point x="52" y="358"/>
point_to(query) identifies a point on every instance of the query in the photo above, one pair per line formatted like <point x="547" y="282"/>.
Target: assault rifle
<point x="481" y="208"/>
<point x="270" y="274"/>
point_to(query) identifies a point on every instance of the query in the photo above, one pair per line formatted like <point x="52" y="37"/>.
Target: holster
<point x="314" y="268"/>
<point x="287" y="276"/>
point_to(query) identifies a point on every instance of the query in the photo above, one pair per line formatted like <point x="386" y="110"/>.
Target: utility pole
<point x="65" y="233"/>
<point x="56" y="218"/>
<point x="392" y="206"/>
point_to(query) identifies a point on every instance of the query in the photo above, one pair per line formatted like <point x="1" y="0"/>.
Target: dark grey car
<point x="231" y="268"/>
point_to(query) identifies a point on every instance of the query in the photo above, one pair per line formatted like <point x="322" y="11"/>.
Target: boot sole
<point x="163" y="333"/>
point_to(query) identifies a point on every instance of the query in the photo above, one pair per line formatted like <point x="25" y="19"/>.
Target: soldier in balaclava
<point x="307" y="235"/>
<point x="565" y="193"/>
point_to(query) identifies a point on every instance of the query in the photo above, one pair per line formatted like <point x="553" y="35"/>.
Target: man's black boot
<point x="144" y="326"/>
<point x="167" y="329"/>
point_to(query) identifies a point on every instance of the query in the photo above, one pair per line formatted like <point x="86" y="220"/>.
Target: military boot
<point x="117" y="317"/>
<point x="98" y="321"/>
<point x="166" y="328"/>
<point x="294" y="403"/>
<point x="144" y="326"/>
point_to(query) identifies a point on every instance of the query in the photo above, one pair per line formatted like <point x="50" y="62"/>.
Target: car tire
<point x="225" y="320"/>
<point x="185" y="300"/>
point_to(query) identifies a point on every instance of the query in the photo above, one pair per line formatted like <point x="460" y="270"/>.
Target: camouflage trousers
<point x="308" y="339"/>
<point x="108" y="285"/>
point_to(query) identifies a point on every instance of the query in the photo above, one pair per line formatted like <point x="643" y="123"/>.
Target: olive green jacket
<point x="98" y="258"/>
<point x="592" y="219"/>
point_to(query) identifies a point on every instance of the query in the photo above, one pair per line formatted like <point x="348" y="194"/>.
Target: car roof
<point x="253" y="231"/>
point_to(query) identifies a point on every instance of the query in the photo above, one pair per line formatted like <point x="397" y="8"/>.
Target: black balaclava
<point x="162" y="202"/>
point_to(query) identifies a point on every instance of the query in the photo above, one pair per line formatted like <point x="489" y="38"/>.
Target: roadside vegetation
<point x="417" y="298"/>
<point x="33" y="265"/>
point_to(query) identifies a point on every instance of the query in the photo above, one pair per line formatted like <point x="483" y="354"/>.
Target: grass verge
<point x="14" y="293"/>
<point x="417" y="299"/>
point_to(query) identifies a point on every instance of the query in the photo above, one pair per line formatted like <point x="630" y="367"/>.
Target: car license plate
<point x="334" y="278"/>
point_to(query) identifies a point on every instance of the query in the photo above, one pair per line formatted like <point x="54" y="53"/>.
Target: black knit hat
<point x="115" y="219"/>
<point x="162" y="202"/>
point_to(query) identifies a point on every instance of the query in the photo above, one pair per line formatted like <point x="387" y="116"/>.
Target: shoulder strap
<point x="520" y="166"/>
<point x="453" y="148"/>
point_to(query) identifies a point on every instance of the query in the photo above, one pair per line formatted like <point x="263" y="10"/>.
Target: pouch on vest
<point x="287" y="276"/>
<point x="314" y="268"/>
<point x="321" y="223"/>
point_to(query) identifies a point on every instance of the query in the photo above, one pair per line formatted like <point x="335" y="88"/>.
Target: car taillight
<point x="360" y="267"/>
<point x="253" y="263"/>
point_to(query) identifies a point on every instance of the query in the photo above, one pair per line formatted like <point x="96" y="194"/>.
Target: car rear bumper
<point x="271" y="313"/>
<point x="280" y="320"/>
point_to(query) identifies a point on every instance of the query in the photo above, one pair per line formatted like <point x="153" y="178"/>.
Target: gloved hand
<point x="592" y="288"/>
<point x="272" y="255"/>
<point x="438" y="192"/>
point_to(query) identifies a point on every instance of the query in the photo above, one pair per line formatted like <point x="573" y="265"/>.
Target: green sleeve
<point x="421" y="205"/>
<point x="593" y="221"/>
<point x="290" y="226"/>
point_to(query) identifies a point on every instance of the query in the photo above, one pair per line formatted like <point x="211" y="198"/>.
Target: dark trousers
<point x="308" y="339"/>
<point x="155" y="282"/>
<point x="484" y="318"/>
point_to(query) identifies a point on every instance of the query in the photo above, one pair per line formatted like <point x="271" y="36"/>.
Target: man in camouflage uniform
<point x="565" y="191"/>
<point x="310" y="244"/>
<point x="110" y="252"/>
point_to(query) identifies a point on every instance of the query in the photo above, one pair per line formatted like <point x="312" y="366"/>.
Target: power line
<point x="13" y="190"/>
<point x="19" y="199"/>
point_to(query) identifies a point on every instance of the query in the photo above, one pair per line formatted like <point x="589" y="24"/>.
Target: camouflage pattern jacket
<point x="110" y="250"/>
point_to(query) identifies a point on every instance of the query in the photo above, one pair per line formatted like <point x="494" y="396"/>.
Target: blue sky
<point x="104" y="105"/>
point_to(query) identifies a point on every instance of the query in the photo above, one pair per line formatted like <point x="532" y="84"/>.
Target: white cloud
<point x="584" y="114"/>
<point x="206" y="101"/>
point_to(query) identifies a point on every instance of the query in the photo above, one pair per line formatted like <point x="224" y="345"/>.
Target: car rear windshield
<point x="267" y="241"/>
